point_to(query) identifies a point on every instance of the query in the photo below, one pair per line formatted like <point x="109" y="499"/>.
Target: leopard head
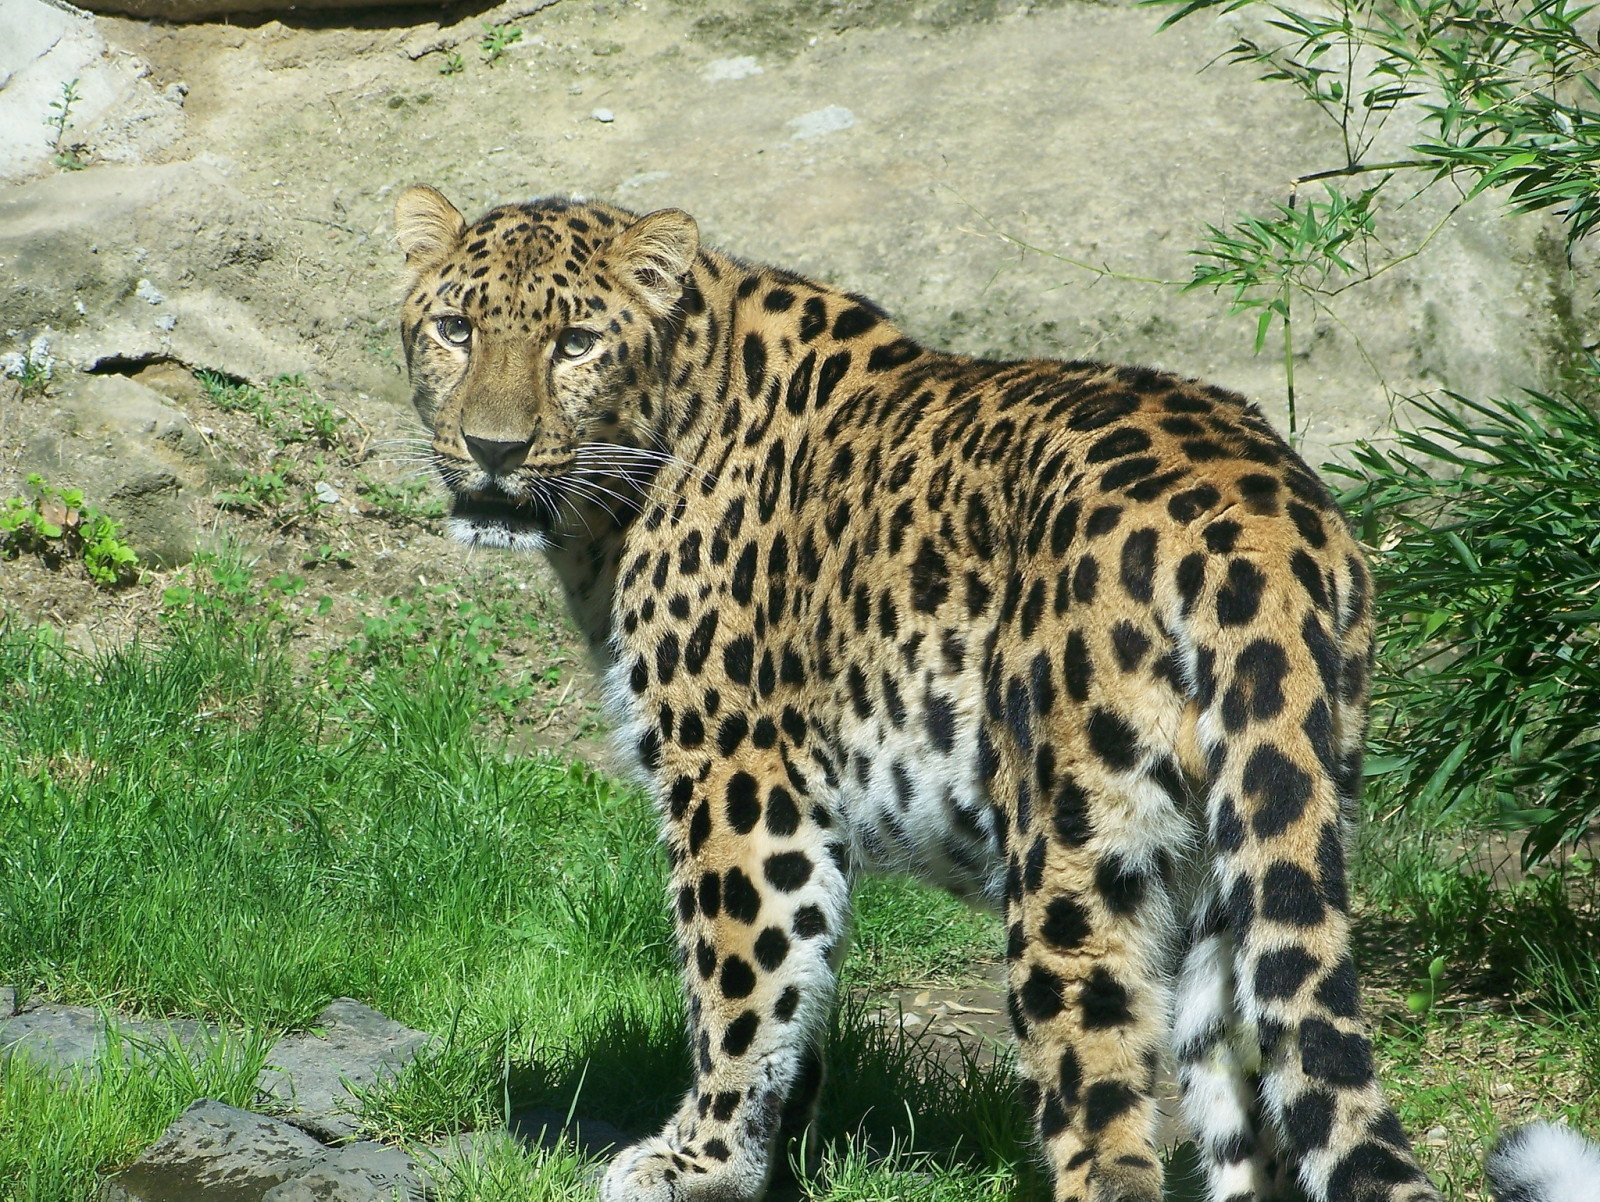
<point x="538" y="341"/>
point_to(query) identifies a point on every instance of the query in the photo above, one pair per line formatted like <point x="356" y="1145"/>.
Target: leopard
<point x="1086" y="644"/>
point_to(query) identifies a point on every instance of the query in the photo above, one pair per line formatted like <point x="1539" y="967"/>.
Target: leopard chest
<point x="722" y="654"/>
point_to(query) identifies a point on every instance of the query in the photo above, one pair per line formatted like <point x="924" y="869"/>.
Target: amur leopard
<point x="1088" y="644"/>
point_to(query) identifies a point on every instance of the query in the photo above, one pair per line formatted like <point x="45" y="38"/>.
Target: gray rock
<point x="351" y="1044"/>
<point x="67" y="1037"/>
<point x="8" y="1001"/>
<point x="216" y="1153"/>
<point x="363" y="1172"/>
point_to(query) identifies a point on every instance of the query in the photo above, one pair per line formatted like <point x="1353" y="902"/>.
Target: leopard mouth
<point x="492" y="505"/>
<point x="492" y="518"/>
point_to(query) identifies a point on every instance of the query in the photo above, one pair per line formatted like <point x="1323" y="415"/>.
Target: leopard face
<point x="537" y="340"/>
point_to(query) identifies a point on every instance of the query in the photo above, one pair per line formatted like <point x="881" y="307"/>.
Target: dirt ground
<point x="902" y="148"/>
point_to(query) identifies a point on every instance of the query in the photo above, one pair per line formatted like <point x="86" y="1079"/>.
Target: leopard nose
<point x="495" y="456"/>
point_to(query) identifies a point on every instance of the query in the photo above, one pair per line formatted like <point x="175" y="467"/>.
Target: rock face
<point x="201" y="10"/>
<point x="128" y="265"/>
<point x="118" y="116"/>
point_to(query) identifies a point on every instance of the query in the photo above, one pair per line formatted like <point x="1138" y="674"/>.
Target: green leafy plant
<point x="68" y="156"/>
<point x="1489" y="685"/>
<point x="1300" y="249"/>
<point x="1507" y="100"/>
<point x="57" y="525"/>
<point x="260" y="493"/>
<point x="496" y="39"/>
<point x="1421" y="1000"/>
<point x="326" y="555"/>
<point x="453" y="64"/>
<point x="33" y="367"/>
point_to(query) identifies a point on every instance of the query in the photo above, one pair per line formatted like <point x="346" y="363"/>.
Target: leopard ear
<point x="655" y="253"/>
<point x="426" y="225"/>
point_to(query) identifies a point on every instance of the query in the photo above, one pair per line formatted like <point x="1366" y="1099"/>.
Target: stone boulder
<point x="217" y="1153"/>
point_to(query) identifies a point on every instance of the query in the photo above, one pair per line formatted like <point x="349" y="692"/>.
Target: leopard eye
<point x="455" y="329"/>
<point x="575" y="343"/>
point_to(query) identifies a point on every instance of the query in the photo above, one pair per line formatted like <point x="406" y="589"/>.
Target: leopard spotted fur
<point x="1088" y="644"/>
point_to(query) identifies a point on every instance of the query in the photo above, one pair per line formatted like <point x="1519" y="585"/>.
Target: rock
<point x="822" y="121"/>
<point x="724" y="69"/>
<point x="217" y="1153"/>
<point x="116" y="116"/>
<point x="8" y="1001"/>
<point x="137" y="459"/>
<point x="72" y="1037"/>
<point x="361" y="1172"/>
<point x="138" y="264"/>
<point x="351" y="1044"/>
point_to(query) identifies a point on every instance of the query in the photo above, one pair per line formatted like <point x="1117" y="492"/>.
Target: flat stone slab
<point x="360" y="1172"/>
<point x="68" y="1037"/>
<point x="216" y="1153"/>
<point x="351" y="1044"/>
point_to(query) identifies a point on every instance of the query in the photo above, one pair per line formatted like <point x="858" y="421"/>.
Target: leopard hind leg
<point x="1219" y="1062"/>
<point x="1283" y="688"/>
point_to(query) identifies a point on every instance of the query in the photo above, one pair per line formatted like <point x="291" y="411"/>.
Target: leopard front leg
<point x="761" y="900"/>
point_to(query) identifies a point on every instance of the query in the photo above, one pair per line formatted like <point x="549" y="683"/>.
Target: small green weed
<point x="401" y="502"/>
<point x="261" y="493"/>
<point x="32" y="373"/>
<point x="326" y="555"/>
<point x="453" y="64"/>
<point x="496" y="39"/>
<point x="33" y="367"/>
<point x="57" y="525"/>
<point x="68" y="156"/>
<point x="288" y="408"/>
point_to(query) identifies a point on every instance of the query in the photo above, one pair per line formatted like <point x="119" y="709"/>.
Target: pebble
<point x="723" y="69"/>
<point x="604" y="116"/>
<point x="822" y="121"/>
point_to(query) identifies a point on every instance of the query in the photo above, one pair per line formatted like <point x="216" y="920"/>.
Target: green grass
<point x="906" y="933"/>
<point x="57" y="1134"/>
<point x="212" y="828"/>
<point x="218" y="828"/>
